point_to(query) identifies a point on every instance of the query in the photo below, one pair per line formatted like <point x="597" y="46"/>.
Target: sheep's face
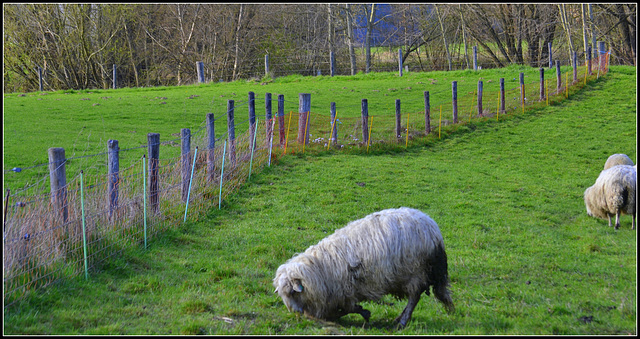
<point x="291" y="291"/>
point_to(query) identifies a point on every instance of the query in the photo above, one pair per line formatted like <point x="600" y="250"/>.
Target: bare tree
<point x="444" y="38"/>
<point x="464" y="39"/>
<point x="352" y="54"/>
<point x="367" y="40"/>
<point x="238" y="26"/>
<point x="567" y="27"/>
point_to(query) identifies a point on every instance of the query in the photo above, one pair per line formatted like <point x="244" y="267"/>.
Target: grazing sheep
<point x="618" y="159"/>
<point x="614" y="193"/>
<point x="394" y="251"/>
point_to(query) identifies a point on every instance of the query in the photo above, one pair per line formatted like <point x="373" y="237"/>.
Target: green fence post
<point x="190" y="181"/>
<point x="144" y="196"/>
<point x="253" y="147"/>
<point x="84" y="230"/>
<point x="224" y="152"/>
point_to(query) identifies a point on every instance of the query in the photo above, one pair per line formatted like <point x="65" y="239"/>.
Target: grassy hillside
<point x="524" y="258"/>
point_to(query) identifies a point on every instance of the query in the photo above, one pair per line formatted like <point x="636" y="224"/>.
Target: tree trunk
<point x="352" y="54"/>
<point x="585" y="35"/>
<point x="567" y="28"/>
<point x="464" y="37"/>
<point x="626" y="32"/>
<point x="235" y="60"/>
<point x="367" y="42"/>
<point x="133" y="63"/>
<point x="444" y="38"/>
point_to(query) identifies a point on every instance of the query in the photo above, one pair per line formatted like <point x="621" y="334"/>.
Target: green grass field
<point x="524" y="257"/>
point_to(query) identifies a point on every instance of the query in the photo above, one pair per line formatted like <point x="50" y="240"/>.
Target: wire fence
<point x="45" y="241"/>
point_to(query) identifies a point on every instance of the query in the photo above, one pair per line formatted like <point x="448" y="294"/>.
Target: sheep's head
<point x="291" y="291"/>
<point x="297" y="284"/>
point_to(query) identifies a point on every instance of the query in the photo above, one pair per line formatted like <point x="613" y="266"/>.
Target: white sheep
<point x="618" y="159"/>
<point x="614" y="193"/>
<point x="394" y="251"/>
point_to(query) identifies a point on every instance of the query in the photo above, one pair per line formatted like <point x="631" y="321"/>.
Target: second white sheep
<point x="614" y="193"/>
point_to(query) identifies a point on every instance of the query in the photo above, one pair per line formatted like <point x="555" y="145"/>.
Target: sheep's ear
<point x="297" y="286"/>
<point x="276" y="291"/>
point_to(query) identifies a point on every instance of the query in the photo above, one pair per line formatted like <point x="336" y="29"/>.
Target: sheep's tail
<point x="440" y="278"/>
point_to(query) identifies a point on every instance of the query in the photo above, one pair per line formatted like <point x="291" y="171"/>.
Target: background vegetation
<point x="76" y="45"/>
<point x="524" y="256"/>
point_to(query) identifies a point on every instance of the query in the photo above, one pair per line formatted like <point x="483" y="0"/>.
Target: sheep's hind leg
<point x="366" y="314"/>
<point x="618" y="220"/>
<point x="405" y="316"/>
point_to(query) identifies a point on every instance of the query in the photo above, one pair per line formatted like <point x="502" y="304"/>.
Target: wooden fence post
<point x="503" y="103"/>
<point x="558" y="76"/>
<point x="304" y="107"/>
<point x="58" y="180"/>
<point x="475" y="58"/>
<point x="454" y="100"/>
<point x="281" y="118"/>
<point x="575" y="66"/>
<point x="115" y="77"/>
<point x="522" y="90"/>
<point x="332" y="63"/>
<point x="589" y="60"/>
<point x="427" y="113"/>
<point x="268" y="116"/>
<point x="596" y="53"/>
<point x="40" y="77"/>
<point x="153" y="141"/>
<point x="200" y="71"/>
<point x="334" y="132"/>
<point x="211" y="145"/>
<point x="231" y="130"/>
<point x="541" y="83"/>
<point x="400" y="61"/>
<point x="365" y="121"/>
<point x="252" y="115"/>
<point x="601" y="54"/>
<point x="398" y="121"/>
<point x="480" y="98"/>
<point x="185" y="138"/>
<point x="266" y="65"/>
<point x="113" y="168"/>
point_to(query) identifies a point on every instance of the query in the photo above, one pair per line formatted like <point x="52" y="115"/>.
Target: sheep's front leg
<point x="405" y="316"/>
<point x="618" y="220"/>
<point x="366" y="314"/>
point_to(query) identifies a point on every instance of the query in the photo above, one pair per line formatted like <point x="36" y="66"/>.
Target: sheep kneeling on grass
<point x="618" y="159"/>
<point x="614" y="193"/>
<point x="394" y="251"/>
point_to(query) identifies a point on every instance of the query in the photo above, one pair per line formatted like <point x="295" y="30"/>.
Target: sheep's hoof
<point x="400" y="321"/>
<point x="401" y="324"/>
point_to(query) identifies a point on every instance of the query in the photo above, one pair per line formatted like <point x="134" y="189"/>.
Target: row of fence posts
<point x="57" y="160"/>
<point x="57" y="155"/>
<point x="332" y="63"/>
